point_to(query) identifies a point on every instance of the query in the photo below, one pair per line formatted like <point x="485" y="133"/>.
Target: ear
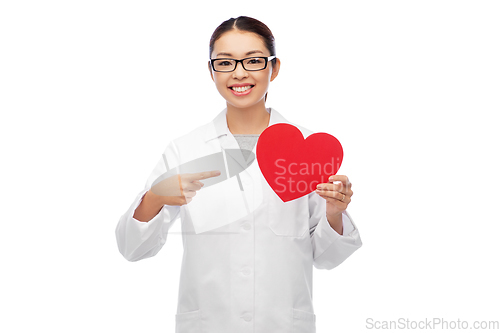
<point x="276" y="69"/>
<point x="210" y="70"/>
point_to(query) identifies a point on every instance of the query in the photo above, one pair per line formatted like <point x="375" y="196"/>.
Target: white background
<point x="92" y="91"/>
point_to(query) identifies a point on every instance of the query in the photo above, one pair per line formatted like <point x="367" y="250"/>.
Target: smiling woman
<point x="248" y="255"/>
<point x="244" y="87"/>
<point x="249" y="25"/>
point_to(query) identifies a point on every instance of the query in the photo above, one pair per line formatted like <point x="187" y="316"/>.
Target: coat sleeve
<point x="139" y="240"/>
<point x="329" y="248"/>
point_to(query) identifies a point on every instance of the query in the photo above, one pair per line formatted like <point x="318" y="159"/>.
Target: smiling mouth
<point x="242" y="89"/>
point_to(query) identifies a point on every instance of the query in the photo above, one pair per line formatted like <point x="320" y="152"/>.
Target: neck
<point x="251" y="120"/>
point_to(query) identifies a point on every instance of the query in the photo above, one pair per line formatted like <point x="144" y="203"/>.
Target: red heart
<point x="293" y="166"/>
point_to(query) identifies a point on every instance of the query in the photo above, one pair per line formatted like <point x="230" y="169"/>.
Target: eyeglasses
<point x="249" y="64"/>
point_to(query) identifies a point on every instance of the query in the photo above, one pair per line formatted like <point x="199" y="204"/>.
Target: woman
<point x="248" y="256"/>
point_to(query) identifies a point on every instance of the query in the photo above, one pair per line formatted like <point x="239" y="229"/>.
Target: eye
<point x="255" y="61"/>
<point x="223" y="63"/>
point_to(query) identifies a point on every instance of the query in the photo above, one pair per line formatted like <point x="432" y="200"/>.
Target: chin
<point x="244" y="104"/>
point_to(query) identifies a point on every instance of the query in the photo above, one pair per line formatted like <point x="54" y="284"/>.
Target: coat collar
<point x="220" y="128"/>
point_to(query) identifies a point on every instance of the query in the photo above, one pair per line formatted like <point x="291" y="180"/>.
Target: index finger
<point x="201" y="175"/>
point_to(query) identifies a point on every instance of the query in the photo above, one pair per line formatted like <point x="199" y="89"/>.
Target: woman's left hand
<point x="338" y="195"/>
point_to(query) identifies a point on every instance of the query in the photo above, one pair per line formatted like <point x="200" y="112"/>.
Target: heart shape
<point x="293" y="166"/>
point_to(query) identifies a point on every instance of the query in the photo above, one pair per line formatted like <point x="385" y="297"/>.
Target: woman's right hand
<point x="180" y="189"/>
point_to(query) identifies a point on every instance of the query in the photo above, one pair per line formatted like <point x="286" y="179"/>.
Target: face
<point x="238" y="45"/>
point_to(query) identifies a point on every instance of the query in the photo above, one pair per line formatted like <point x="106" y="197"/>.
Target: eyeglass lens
<point x="229" y="65"/>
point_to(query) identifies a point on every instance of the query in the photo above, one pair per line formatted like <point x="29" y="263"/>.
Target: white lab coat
<point x="245" y="270"/>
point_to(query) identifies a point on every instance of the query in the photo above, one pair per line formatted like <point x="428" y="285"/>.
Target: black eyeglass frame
<point x="267" y="59"/>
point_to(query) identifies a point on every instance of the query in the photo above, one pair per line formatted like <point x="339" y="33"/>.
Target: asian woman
<point x="248" y="256"/>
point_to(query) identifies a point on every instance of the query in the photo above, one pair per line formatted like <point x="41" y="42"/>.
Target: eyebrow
<point x="230" y="55"/>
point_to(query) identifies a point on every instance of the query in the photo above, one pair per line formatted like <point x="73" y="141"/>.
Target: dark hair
<point x="245" y="23"/>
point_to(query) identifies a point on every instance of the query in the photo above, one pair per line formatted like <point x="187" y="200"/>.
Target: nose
<point x="239" y="72"/>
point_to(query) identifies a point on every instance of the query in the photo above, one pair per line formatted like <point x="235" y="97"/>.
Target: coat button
<point x="246" y="226"/>
<point x="245" y="271"/>
<point x="247" y="317"/>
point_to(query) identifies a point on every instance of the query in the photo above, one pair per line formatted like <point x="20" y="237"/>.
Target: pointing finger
<point x="201" y="175"/>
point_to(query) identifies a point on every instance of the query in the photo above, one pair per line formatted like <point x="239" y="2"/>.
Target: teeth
<point x="240" y="89"/>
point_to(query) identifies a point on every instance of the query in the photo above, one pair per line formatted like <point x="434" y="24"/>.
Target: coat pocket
<point x="188" y="322"/>
<point x="303" y="321"/>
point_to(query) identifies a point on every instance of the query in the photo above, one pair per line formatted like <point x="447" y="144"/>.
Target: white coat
<point x="245" y="270"/>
